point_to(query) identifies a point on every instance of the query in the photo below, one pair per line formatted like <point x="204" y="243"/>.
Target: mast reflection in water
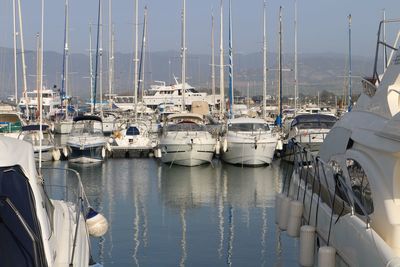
<point x="187" y="216"/>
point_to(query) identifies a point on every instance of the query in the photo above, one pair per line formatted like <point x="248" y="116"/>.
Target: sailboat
<point x="185" y="139"/>
<point x="247" y="141"/>
<point x="86" y="142"/>
<point x="63" y="122"/>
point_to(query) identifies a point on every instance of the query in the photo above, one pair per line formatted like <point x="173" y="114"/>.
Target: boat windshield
<point x="314" y="121"/>
<point x="87" y="127"/>
<point x="186" y="126"/>
<point x="34" y="138"/>
<point x="248" y="127"/>
<point x="132" y="131"/>
<point x="315" y="125"/>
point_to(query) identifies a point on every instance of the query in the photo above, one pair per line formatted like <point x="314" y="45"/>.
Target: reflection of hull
<point x="131" y="152"/>
<point x="249" y="153"/>
<point x="93" y="154"/>
<point x="46" y="152"/>
<point x="187" y="155"/>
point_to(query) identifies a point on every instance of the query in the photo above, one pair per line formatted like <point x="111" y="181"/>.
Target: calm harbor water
<point x="161" y="215"/>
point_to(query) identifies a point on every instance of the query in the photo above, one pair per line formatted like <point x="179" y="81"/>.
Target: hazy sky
<point x="322" y="24"/>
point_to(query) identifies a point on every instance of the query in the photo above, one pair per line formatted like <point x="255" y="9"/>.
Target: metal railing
<point x="71" y="191"/>
<point x="319" y="177"/>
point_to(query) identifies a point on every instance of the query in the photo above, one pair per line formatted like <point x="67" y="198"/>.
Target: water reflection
<point x="178" y="216"/>
<point x="236" y="193"/>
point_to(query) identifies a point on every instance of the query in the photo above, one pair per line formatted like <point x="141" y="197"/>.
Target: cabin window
<point x="360" y="186"/>
<point x="248" y="127"/>
<point x="338" y="177"/>
<point x="132" y="131"/>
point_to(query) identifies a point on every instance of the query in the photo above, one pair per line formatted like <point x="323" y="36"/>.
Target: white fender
<point x="56" y="154"/>
<point x="225" y="145"/>
<point x="65" y="152"/>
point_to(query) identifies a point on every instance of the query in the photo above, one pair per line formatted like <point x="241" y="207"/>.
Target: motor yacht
<point x="249" y="141"/>
<point x="186" y="141"/>
<point x="86" y="142"/>
<point x="350" y="191"/>
<point x="37" y="229"/>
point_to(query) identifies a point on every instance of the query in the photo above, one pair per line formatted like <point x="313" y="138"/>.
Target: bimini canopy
<point x="16" y="152"/>
<point x="35" y="127"/>
<point x="87" y="118"/>
<point x="21" y="240"/>
<point x="185" y="117"/>
<point x="314" y="120"/>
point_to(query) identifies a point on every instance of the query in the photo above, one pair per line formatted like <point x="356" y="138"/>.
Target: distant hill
<point x="317" y="72"/>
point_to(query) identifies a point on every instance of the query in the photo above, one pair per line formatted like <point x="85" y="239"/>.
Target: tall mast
<point x="101" y="60"/>
<point x="183" y="54"/>
<point x="143" y="53"/>
<point x="296" y="82"/>
<point x="280" y="67"/>
<point x="64" y="80"/>
<point x="38" y="72"/>
<point x="384" y="41"/>
<point x="21" y="36"/>
<point x="212" y="61"/>
<point x="15" y="55"/>
<point x="221" y="63"/>
<point x="110" y="54"/>
<point x="264" y="60"/>
<point x="350" y="101"/>
<point x="97" y="56"/>
<point x="91" y="70"/>
<point x="231" y="98"/>
<point x="40" y="89"/>
<point x="135" y="87"/>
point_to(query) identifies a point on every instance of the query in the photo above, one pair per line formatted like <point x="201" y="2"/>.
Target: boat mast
<point x="64" y="80"/>
<point x="212" y="61"/>
<point x="231" y="97"/>
<point x="38" y="94"/>
<point x="221" y="63"/>
<point x="21" y="36"/>
<point x="350" y="101"/>
<point x="101" y="61"/>
<point x="135" y="87"/>
<point x="183" y="55"/>
<point x="40" y="89"/>
<point x="143" y="53"/>
<point x="296" y="82"/>
<point x="91" y="70"/>
<point x="97" y="57"/>
<point x="110" y="54"/>
<point x="280" y="68"/>
<point x="264" y="60"/>
<point x="385" y="59"/>
<point x="15" y="55"/>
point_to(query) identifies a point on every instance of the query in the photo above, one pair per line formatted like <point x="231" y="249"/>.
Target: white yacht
<point x="51" y="103"/>
<point x="249" y="141"/>
<point x="310" y="130"/>
<point x="32" y="134"/>
<point x="161" y="93"/>
<point x="37" y="230"/>
<point x="134" y="141"/>
<point x="86" y="142"/>
<point x="10" y="121"/>
<point x="356" y="210"/>
<point x="186" y="141"/>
